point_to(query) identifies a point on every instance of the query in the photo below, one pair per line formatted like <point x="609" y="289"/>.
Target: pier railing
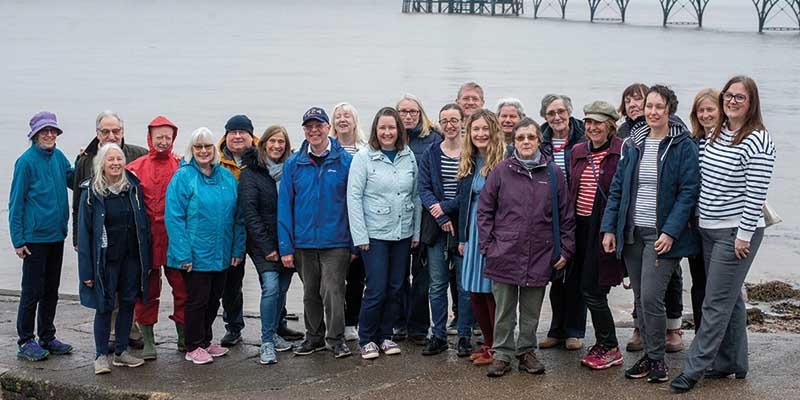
<point x="773" y="15"/>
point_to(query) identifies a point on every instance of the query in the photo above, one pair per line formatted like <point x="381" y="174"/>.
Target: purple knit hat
<point x="42" y="120"/>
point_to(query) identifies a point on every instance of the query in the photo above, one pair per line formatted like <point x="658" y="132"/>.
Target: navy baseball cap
<point x="316" y="114"/>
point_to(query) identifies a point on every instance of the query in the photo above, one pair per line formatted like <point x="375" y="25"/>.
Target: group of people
<point x="490" y="205"/>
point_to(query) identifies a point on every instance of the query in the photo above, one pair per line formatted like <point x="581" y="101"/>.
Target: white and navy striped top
<point x="449" y="173"/>
<point x="645" y="210"/>
<point x="735" y="181"/>
<point x="558" y="156"/>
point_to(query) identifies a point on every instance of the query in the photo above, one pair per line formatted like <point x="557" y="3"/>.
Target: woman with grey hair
<point x="509" y="112"/>
<point x="201" y="210"/>
<point x="114" y="253"/>
<point x="561" y="132"/>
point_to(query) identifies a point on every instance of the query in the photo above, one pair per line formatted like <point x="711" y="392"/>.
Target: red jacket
<point x="155" y="171"/>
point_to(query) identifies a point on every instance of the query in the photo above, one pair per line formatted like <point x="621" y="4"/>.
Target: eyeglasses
<point x="451" y="121"/>
<point x="522" y="138"/>
<point x="106" y="132"/>
<point x="412" y="113"/>
<point x="740" y="98"/>
<point x="312" y="127"/>
<point x="202" y="146"/>
<point x="552" y="113"/>
<point x="48" y="131"/>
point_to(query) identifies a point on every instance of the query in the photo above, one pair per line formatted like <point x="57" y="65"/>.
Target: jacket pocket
<point x="502" y="252"/>
<point x="381" y="210"/>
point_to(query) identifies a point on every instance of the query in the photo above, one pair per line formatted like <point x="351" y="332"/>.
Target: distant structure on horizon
<point x="674" y="12"/>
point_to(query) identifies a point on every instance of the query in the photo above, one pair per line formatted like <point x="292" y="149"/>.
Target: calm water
<point x="200" y="62"/>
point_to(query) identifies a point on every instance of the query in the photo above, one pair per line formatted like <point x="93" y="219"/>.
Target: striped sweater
<point x="735" y="181"/>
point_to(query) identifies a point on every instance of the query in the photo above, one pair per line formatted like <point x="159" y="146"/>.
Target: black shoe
<point x="290" y="334"/>
<point x="230" y="339"/>
<point x="399" y="335"/>
<point x="464" y="348"/>
<point x="658" y="372"/>
<point x="682" y="384"/>
<point x="307" y="348"/>
<point x="640" y="369"/>
<point x="435" y="346"/>
<point x="341" y="351"/>
<point x="136" y="344"/>
<point x="292" y="316"/>
<point x="418" y="340"/>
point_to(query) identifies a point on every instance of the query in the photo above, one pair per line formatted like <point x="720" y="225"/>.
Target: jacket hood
<point x="225" y="155"/>
<point x="156" y="122"/>
<point x="576" y="131"/>
<point x="640" y="131"/>
<point x="250" y="159"/>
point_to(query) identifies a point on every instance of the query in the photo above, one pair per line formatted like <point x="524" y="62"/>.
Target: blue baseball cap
<point x="316" y="114"/>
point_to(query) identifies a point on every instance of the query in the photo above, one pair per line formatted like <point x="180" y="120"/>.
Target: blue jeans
<point x="439" y="261"/>
<point x="385" y="264"/>
<point x="122" y="278"/>
<point x="274" y="286"/>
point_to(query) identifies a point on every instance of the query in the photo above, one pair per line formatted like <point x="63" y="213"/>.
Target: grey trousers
<point x="650" y="277"/>
<point x="323" y="273"/>
<point x="721" y="342"/>
<point x="507" y="297"/>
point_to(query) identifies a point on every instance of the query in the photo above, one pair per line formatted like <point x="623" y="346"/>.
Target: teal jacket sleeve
<point x="356" y="183"/>
<point x="20" y="183"/>
<point x="175" y="218"/>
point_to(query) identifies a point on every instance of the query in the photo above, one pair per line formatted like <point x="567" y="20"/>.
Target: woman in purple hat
<point x="38" y="213"/>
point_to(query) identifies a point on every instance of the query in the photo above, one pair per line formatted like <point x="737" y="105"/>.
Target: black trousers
<point x="587" y="247"/>
<point x="415" y="312"/>
<point x="697" y="267"/>
<point x="203" y="292"/>
<point x="232" y="299"/>
<point x="354" y="291"/>
<point x="41" y="276"/>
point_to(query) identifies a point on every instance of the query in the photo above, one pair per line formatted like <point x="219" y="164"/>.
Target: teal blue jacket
<point x="382" y="196"/>
<point x="38" y="209"/>
<point x="203" y="223"/>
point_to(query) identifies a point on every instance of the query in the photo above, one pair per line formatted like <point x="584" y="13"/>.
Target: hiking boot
<point x="230" y="339"/>
<point x="390" y="348"/>
<point x="341" y="350"/>
<point x="658" y="372"/>
<point x="215" y="350"/>
<point x="370" y="351"/>
<point x="435" y="346"/>
<point x="635" y="344"/>
<point x="32" y="351"/>
<point x="674" y="341"/>
<point x="307" y="348"/>
<point x="280" y="344"/>
<point x="530" y="364"/>
<point x="127" y="360"/>
<point x="149" y="350"/>
<point x="290" y="334"/>
<point x="267" y="354"/>
<point x="181" y="337"/>
<point x="498" y="369"/>
<point x="464" y="347"/>
<point x="199" y="356"/>
<point x="550" y="342"/>
<point x="682" y="384"/>
<point x="573" y="344"/>
<point x="600" y="358"/>
<point x="350" y="333"/>
<point x="640" y="369"/>
<point x="101" y="365"/>
<point x="56" y="347"/>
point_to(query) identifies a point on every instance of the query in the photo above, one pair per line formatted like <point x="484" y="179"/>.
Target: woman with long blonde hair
<point x="484" y="148"/>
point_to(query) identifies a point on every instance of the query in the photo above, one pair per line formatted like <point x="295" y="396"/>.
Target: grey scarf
<point x="275" y="170"/>
<point x="532" y="163"/>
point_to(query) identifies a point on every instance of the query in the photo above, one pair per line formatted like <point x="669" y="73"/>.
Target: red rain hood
<point x="156" y="122"/>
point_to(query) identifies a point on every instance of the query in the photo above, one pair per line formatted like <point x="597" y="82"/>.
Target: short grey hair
<point x="201" y="134"/>
<point x="105" y="114"/>
<point x="513" y="102"/>
<point x="550" y="98"/>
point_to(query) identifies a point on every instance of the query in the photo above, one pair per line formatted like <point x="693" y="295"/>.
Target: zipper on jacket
<point x="136" y="206"/>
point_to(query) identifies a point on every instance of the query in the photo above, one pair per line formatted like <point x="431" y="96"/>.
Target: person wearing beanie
<point x="154" y="172"/>
<point x="238" y="138"/>
<point x="38" y="213"/>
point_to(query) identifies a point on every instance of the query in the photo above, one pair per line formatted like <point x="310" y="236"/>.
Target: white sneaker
<point x="350" y="333"/>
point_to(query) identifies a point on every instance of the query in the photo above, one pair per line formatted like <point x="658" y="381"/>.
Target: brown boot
<point x="635" y="344"/>
<point x="674" y="341"/>
<point x="498" y="369"/>
<point x="530" y="364"/>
